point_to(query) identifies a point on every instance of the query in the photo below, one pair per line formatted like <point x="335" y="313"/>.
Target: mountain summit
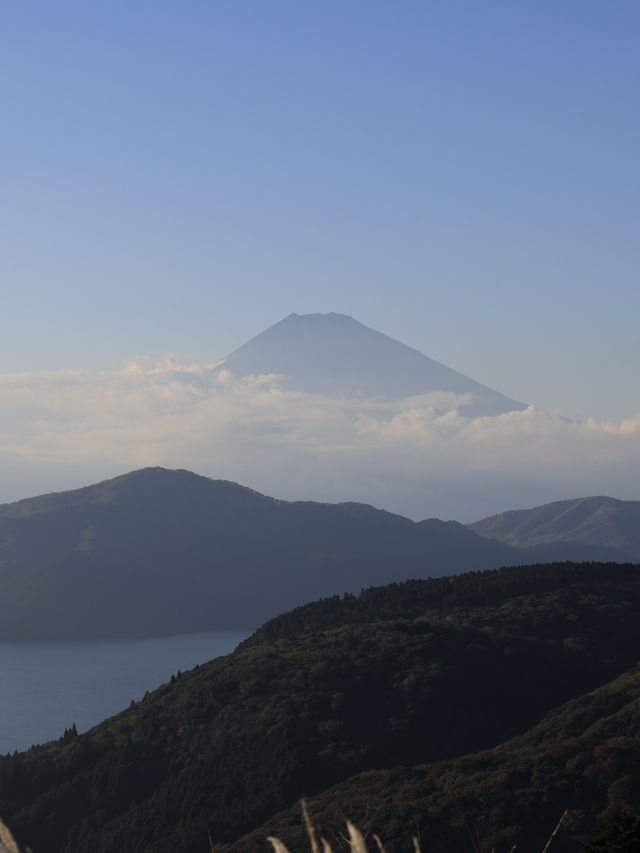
<point x="586" y="521"/>
<point x="157" y="552"/>
<point x="335" y="355"/>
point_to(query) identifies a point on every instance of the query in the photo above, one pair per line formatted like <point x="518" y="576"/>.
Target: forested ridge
<point x="582" y="760"/>
<point x="446" y="594"/>
<point x="400" y="677"/>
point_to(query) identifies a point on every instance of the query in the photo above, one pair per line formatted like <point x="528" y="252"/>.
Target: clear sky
<point x="464" y="176"/>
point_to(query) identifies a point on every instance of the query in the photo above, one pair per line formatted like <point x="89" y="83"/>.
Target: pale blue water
<point x="44" y="688"/>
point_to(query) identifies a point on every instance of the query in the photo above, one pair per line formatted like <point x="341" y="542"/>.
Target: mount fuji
<point x="336" y="356"/>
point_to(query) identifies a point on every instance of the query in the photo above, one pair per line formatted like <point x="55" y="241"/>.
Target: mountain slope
<point x="403" y="675"/>
<point x="157" y="551"/>
<point x="334" y="355"/>
<point x="598" y="521"/>
<point x="584" y="756"/>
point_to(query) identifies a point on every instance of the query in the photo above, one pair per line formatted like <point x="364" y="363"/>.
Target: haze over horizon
<point x="317" y="407"/>
<point x="462" y="178"/>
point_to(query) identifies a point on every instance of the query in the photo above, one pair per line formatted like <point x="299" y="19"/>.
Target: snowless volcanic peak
<point x="335" y="355"/>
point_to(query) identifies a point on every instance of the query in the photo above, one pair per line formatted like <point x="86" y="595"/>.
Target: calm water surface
<point x="44" y="688"/>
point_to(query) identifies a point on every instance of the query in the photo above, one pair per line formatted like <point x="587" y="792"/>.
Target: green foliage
<point x="476" y="590"/>
<point x="619" y="834"/>
<point x="377" y="705"/>
<point x="579" y="758"/>
<point x="70" y="734"/>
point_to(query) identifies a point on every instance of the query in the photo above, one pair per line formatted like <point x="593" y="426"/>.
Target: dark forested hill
<point x="598" y="521"/>
<point x="158" y="552"/>
<point x="399" y="677"/>
<point x="583" y="757"/>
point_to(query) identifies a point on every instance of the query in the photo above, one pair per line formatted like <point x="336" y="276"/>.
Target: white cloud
<point x="420" y="455"/>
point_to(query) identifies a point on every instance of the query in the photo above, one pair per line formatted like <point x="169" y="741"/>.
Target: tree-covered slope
<point x="401" y="676"/>
<point x="583" y="757"/>
<point x="600" y="521"/>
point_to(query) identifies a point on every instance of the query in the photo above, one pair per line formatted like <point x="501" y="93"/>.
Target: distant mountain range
<point x="499" y="698"/>
<point x="337" y="356"/>
<point x="158" y="552"/>
<point x="596" y="521"/>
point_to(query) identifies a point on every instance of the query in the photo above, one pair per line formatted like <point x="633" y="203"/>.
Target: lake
<point x="45" y="688"/>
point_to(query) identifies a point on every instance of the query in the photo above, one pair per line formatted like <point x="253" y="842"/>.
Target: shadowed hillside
<point x="400" y="676"/>
<point x="159" y="552"/>
<point x="583" y="757"/>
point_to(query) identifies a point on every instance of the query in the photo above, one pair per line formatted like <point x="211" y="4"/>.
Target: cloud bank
<point x="420" y="455"/>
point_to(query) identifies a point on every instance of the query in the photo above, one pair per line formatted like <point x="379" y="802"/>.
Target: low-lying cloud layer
<point x="420" y="455"/>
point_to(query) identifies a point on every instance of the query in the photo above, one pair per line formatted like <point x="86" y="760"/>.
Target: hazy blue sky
<point x="464" y="176"/>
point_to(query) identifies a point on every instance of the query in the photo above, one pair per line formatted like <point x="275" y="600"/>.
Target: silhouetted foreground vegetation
<point x="391" y="708"/>
<point x="621" y="831"/>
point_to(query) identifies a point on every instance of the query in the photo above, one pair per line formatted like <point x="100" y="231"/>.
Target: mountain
<point x="583" y="756"/>
<point x="159" y="552"/>
<point x="600" y="521"/>
<point x="335" y="355"/>
<point x="399" y="683"/>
